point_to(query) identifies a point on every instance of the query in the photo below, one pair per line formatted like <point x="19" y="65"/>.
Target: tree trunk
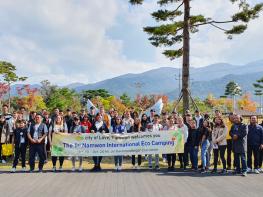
<point x="9" y="96"/>
<point x="186" y="53"/>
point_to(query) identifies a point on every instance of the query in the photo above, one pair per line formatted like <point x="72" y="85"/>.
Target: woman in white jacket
<point x="219" y="143"/>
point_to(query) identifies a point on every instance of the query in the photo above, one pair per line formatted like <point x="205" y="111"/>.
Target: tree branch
<point x="179" y="6"/>
<point x="218" y="27"/>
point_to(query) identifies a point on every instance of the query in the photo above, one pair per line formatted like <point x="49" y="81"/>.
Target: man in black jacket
<point x="254" y="143"/>
<point x="238" y="133"/>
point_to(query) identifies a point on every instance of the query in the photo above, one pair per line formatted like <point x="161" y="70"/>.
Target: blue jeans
<point x="195" y="157"/>
<point x="237" y="157"/>
<point x="208" y="154"/>
<point x="204" y="150"/>
<point x="118" y="160"/>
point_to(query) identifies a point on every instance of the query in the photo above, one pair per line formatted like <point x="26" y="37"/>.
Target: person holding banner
<point x="136" y="129"/>
<point x="36" y="133"/>
<point x="59" y="126"/>
<point x="155" y="126"/>
<point x="118" y="128"/>
<point x="98" y="127"/>
<point x="171" y="158"/>
<point x="184" y="129"/>
<point x="77" y="129"/>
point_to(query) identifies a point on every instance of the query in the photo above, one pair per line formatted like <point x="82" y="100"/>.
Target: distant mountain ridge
<point x="204" y="80"/>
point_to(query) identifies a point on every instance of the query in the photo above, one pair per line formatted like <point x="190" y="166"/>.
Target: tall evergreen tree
<point x="259" y="91"/>
<point x="175" y="32"/>
<point x="233" y="90"/>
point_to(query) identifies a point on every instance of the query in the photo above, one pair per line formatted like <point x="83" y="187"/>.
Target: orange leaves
<point x="245" y="103"/>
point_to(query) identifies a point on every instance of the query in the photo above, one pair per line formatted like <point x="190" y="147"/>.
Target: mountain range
<point x="164" y="80"/>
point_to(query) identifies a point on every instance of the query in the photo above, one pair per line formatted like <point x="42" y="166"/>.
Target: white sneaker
<point x="24" y="169"/>
<point x="138" y="167"/>
<point x="54" y="169"/>
<point x="260" y="170"/>
<point x="80" y="169"/>
<point x="116" y="168"/>
<point x="256" y="171"/>
<point x="249" y="170"/>
<point x="60" y="169"/>
<point x="13" y="170"/>
<point x="4" y="161"/>
<point x="133" y="167"/>
<point x="73" y="169"/>
<point x="119" y="168"/>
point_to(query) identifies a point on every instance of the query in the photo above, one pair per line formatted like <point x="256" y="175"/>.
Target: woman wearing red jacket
<point x="86" y="123"/>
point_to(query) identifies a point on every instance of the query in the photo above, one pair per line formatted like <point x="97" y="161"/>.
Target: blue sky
<point x="86" y="41"/>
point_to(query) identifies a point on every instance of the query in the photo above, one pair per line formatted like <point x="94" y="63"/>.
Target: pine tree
<point x="259" y="91"/>
<point x="233" y="90"/>
<point x="175" y="32"/>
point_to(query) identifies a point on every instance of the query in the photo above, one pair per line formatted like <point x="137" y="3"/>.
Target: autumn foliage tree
<point x="29" y="98"/>
<point x="246" y="103"/>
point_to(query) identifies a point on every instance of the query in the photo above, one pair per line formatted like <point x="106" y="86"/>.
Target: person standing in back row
<point x="239" y="136"/>
<point x="254" y="144"/>
<point x="36" y="133"/>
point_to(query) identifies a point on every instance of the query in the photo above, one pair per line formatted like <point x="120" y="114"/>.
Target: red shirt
<point x="87" y="125"/>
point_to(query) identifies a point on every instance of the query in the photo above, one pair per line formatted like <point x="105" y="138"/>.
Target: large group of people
<point x="229" y="140"/>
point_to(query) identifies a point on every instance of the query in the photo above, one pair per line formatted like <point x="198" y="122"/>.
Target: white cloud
<point x="63" y="41"/>
<point x="66" y="41"/>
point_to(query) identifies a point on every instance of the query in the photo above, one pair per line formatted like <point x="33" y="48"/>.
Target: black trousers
<point x="181" y="159"/>
<point x="39" y="149"/>
<point x="187" y="152"/>
<point x="61" y="161"/>
<point x="20" y="150"/>
<point x="255" y="151"/>
<point x="134" y="160"/>
<point x="97" y="160"/>
<point x="171" y="158"/>
<point x="221" y="150"/>
<point x="229" y="153"/>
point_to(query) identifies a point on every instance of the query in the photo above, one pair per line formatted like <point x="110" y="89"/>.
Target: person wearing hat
<point x="36" y="133"/>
